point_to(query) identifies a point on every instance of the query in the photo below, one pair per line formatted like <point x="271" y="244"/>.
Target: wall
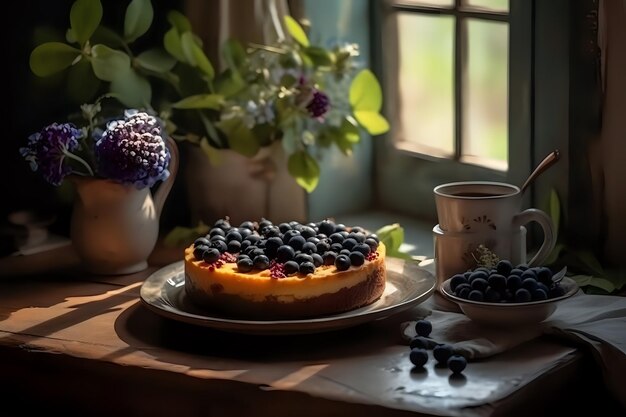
<point x="345" y="184"/>
<point x="608" y="149"/>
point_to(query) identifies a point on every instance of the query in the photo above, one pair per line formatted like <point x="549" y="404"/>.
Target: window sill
<point x="418" y="234"/>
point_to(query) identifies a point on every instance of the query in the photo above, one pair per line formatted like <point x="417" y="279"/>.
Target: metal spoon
<point x="547" y="162"/>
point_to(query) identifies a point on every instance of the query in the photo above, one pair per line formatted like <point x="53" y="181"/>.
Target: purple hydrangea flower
<point x="50" y="149"/>
<point x="133" y="151"/>
<point x="319" y="104"/>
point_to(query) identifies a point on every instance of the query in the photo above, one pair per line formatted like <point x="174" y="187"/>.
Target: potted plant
<point x="113" y="164"/>
<point x="291" y="95"/>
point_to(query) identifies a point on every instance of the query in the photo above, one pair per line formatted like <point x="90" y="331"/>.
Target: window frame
<point x="404" y="178"/>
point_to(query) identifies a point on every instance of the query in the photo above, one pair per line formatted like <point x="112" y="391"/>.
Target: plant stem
<point x="268" y="48"/>
<point x="78" y="159"/>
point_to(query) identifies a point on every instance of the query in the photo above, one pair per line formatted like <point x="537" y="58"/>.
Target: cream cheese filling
<point x="259" y="286"/>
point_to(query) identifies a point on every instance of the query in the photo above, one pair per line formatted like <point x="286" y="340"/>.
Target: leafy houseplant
<point x="305" y="96"/>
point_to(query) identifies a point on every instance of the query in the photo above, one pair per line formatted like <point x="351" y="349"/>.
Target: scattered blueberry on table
<point x="457" y="363"/>
<point x="423" y="327"/>
<point x="443" y="353"/>
<point x="422" y="342"/>
<point x="418" y="356"/>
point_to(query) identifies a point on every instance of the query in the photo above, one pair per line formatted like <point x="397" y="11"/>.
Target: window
<point x="457" y="80"/>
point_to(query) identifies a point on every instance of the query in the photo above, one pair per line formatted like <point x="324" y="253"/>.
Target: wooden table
<point x="85" y="345"/>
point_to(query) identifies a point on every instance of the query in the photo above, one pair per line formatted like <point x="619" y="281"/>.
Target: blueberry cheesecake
<point x="284" y="271"/>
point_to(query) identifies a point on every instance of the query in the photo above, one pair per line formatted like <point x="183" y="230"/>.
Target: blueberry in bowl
<point x="509" y="295"/>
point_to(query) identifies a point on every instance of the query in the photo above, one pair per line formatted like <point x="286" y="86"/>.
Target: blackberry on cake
<point x="289" y="270"/>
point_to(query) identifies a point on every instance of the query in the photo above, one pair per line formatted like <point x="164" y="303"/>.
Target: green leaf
<point x="320" y="57"/>
<point x="156" y="60"/>
<point x="109" y="63"/>
<point x="344" y="146"/>
<point x="590" y="280"/>
<point x="592" y="290"/>
<point x="306" y="60"/>
<point x="69" y="36"/>
<point x="85" y="17"/>
<point x="202" y="61"/>
<point x="392" y="236"/>
<point x="555" y="211"/>
<point x="132" y="89"/>
<point x="51" y="57"/>
<point x="184" y="236"/>
<point x="291" y="59"/>
<point x="234" y="54"/>
<point x="240" y="138"/>
<point x="603" y="284"/>
<point x="264" y="134"/>
<point x="372" y="121"/>
<point x="179" y="236"/>
<point x="589" y="261"/>
<point x="194" y="55"/>
<point x="200" y="101"/>
<point x="172" y="44"/>
<point x="197" y="40"/>
<point x="582" y="280"/>
<point x="228" y="83"/>
<point x="82" y="84"/>
<point x="187" y="45"/>
<point x="209" y="127"/>
<point x="179" y="21"/>
<point x="365" y="92"/>
<point x="296" y="31"/>
<point x="305" y="169"/>
<point x="139" y="14"/>
<point x="350" y="130"/>
<point x="344" y="137"/>
<point x="366" y="98"/>
<point x="324" y="139"/>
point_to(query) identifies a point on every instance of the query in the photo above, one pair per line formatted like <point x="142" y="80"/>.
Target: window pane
<point x="447" y="3"/>
<point x="493" y="5"/>
<point x="485" y="102"/>
<point x="425" y="85"/>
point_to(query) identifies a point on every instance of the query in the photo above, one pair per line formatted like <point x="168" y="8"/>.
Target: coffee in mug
<point x="475" y="206"/>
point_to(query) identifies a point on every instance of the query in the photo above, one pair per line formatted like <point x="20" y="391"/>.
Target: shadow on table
<point x="138" y="326"/>
<point x="54" y="289"/>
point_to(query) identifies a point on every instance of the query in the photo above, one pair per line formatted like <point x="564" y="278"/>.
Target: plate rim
<point x="445" y="289"/>
<point x="310" y="325"/>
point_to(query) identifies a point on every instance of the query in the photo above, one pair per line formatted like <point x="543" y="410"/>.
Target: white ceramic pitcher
<point x="115" y="227"/>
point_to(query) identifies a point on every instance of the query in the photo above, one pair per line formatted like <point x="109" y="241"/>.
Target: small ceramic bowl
<point x="510" y="314"/>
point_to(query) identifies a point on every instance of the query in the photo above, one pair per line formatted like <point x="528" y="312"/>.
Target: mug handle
<point x="536" y="215"/>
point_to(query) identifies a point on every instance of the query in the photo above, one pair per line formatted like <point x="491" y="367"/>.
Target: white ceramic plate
<point x="407" y="285"/>
<point x="509" y="314"/>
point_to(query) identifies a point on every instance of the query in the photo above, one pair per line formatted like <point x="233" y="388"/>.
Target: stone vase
<point x="243" y="188"/>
